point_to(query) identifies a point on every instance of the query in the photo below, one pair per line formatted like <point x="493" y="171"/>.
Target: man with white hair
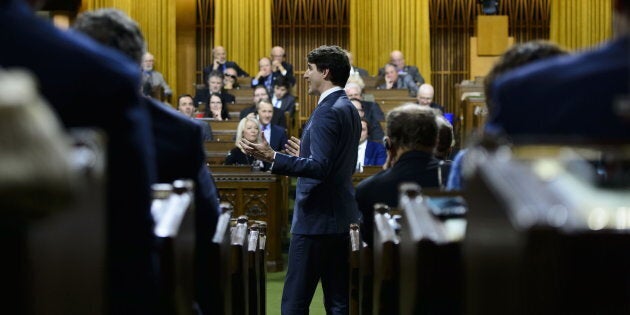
<point x="425" y="97"/>
<point x="397" y="59"/>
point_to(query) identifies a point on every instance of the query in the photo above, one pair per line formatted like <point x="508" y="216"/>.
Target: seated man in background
<point x="425" y="97"/>
<point x="371" y="153"/>
<point x="373" y="111"/>
<point x="280" y="67"/>
<point x="446" y="139"/>
<point x="186" y="106"/>
<point x="265" y="75"/>
<point x="356" y="70"/>
<point x="260" y="93"/>
<point x="394" y="80"/>
<point x="177" y="141"/>
<point x="151" y="79"/>
<point x="375" y="130"/>
<point x="220" y="64"/>
<point x="215" y="85"/>
<point x="282" y="98"/>
<point x="276" y="136"/>
<point x="397" y="59"/>
<point x="411" y="140"/>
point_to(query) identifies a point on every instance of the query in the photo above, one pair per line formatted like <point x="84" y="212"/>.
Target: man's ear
<point x="326" y="73"/>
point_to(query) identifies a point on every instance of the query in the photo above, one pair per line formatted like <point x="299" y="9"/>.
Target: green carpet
<point x="275" y="282"/>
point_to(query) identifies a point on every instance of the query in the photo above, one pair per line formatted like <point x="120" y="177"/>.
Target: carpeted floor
<point x="275" y="282"/>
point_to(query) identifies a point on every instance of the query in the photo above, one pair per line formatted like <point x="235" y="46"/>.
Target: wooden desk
<point x="367" y="172"/>
<point x="370" y="82"/>
<point x="224" y="135"/>
<point x="383" y="94"/>
<point x="240" y="105"/>
<point x="220" y="124"/>
<point x="259" y="196"/>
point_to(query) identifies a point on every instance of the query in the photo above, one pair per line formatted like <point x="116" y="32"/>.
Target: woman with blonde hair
<point x="248" y="128"/>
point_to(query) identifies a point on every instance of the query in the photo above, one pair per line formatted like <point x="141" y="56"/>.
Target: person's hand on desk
<point x="261" y="151"/>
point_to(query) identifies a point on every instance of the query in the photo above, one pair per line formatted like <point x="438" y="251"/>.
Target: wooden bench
<point x="240" y="106"/>
<point x="430" y="257"/>
<point x="238" y="267"/>
<point x="224" y="135"/>
<point x="220" y="294"/>
<point x="386" y="263"/>
<point x="175" y="232"/>
<point x="260" y="196"/>
<point x="385" y="94"/>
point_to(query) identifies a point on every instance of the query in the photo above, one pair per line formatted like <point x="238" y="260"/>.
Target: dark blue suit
<point x="567" y="96"/>
<point x="375" y="154"/>
<point x="89" y="85"/>
<point x="228" y="64"/>
<point x="180" y="155"/>
<point x="324" y="205"/>
<point x="278" y="138"/>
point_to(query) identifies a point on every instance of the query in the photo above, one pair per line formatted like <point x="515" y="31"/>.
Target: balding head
<point x="277" y="53"/>
<point x="397" y="59"/>
<point x="219" y="53"/>
<point x="425" y="94"/>
<point x="353" y="90"/>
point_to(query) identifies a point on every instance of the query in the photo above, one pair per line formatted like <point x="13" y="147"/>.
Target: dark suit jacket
<point x="277" y="118"/>
<point x="324" y="202"/>
<point x="290" y="77"/>
<point x="67" y="76"/>
<point x="375" y="154"/>
<point x="411" y="71"/>
<point x="362" y="72"/>
<point x="414" y="166"/>
<point x="278" y="138"/>
<point x="203" y="96"/>
<point x="180" y="155"/>
<point x="228" y="64"/>
<point x="287" y="104"/>
<point x="568" y="96"/>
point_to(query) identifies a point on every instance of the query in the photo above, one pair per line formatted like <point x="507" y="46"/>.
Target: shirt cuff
<point x="274" y="161"/>
<point x="284" y="73"/>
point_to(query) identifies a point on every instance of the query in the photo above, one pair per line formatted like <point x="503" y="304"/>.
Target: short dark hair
<point x="113" y="28"/>
<point x="217" y="74"/>
<point x="185" y="95"/>
<point x="516" y="56"/>
<point x="413" y="127"/>
<point x="282" y="81"/>
<point x="334" y="59"/>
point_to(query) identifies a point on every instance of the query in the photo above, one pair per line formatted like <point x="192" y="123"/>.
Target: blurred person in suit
<point x="177" y="140"/>
<point x="411" y="139"/>
<point x="320" y="240"/>
<point x="186" y="106"/>
<point x="578" y="97"/>
<point x="66" y="79"/>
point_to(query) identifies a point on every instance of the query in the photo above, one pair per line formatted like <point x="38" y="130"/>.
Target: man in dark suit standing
<point x="75" y="72"/>
<point x="324" y="202"/>
<point x="177" y="140"/>
<point x="583" y="97"/>
<point x="220" y="63"/>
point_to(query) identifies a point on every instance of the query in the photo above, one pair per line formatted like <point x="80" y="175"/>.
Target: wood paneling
<point x="302" y="25"/>
<point x="205" y="36"/>
<point x="452" y="25"/>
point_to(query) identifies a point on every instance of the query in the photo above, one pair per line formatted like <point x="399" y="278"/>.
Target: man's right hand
<point x="293" y="147"/>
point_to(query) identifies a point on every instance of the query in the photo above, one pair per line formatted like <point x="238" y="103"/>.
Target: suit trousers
<point x="313" y="258"/>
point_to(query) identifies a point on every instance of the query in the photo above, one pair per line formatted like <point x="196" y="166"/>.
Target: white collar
<point x="328" y="92"/>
